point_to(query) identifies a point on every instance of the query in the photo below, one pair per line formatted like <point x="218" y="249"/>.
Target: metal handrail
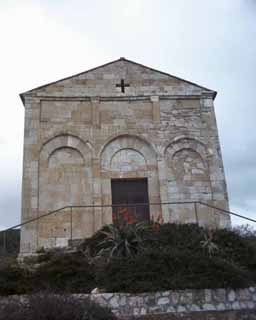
<point x="227" y="212"/>
<point x="194" y="203"/>
<point x="221" y="211"/>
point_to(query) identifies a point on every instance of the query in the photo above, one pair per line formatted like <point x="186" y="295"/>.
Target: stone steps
<point x="201" y="315"/>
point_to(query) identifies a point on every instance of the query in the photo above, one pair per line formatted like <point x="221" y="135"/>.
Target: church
<point x="121" y="133"/>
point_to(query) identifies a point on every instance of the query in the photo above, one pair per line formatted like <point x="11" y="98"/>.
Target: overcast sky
<point x="212" y="43"/>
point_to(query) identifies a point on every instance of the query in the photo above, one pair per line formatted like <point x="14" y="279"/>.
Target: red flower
<point x="125" y="216"/>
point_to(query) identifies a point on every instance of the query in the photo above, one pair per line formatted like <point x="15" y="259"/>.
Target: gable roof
<point x="112" y="62"/>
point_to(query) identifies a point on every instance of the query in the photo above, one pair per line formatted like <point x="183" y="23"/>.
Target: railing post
<point x="4" y="242"/>
<point x="216" y="216"/>
<point x="196" y="214"/>
<point x="71" y="223"/>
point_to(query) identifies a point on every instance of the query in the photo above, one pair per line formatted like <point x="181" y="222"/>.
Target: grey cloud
<point x="208" y="42"/>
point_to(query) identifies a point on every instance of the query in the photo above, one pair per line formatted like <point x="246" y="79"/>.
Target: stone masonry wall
<point x="182" y="301"/>
<point x="205" y="315"/>
<point x="188" y="304"/>
<point x="82" y="131"/>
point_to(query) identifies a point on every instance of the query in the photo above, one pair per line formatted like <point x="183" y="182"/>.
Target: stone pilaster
<point x="216" y="167"/>
<point x="30" y="174"/>
<point x="95" y="101"/>
<point x="97" y="198"/>
<point x="155" y="108"/>
<point x="163" y="188"/>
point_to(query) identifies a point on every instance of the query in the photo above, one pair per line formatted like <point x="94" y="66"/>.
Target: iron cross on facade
<point x="122" y="85"/>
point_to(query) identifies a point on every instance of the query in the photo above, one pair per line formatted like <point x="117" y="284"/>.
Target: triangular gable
<point x="34" y="90"/>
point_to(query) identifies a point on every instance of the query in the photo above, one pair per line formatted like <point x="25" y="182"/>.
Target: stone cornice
<point x="122" y="98"/>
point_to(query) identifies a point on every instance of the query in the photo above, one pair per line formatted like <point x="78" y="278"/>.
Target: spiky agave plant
<point x="122" y="240"/>
<point x="208" y="244"/>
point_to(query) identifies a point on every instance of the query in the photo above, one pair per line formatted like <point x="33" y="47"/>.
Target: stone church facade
<point x="119" y="133"/>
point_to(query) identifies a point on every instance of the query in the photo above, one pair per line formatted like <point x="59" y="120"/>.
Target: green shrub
<point x="179" y="236"/>
<point x="11" y="238"/>
<point x="13" y="310"/>
<point x="45" y="306"/>
<point x="173" y="257"/>
<point x="61" y="272"/>
<point x="170" y="269"/>
<point x="65" y="272"/>
<point x="13" y="279"/>
<point x="237" y="247"/>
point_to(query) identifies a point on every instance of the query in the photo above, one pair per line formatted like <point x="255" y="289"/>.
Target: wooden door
<point x="130" y="191"/>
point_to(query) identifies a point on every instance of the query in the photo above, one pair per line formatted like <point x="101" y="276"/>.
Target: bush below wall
<point x="171" y="269"/>
<point x="173" y="257"/>
<point x="45" y="306"/>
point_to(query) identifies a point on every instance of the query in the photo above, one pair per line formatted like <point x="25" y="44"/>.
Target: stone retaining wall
<point x="201" y="315"/>
<point x="185" y="304"/>
<point x="182" y="301"/>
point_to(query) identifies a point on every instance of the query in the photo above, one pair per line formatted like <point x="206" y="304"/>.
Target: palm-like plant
<point x="122" y="240"/>
<point x="208" y="244"/>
